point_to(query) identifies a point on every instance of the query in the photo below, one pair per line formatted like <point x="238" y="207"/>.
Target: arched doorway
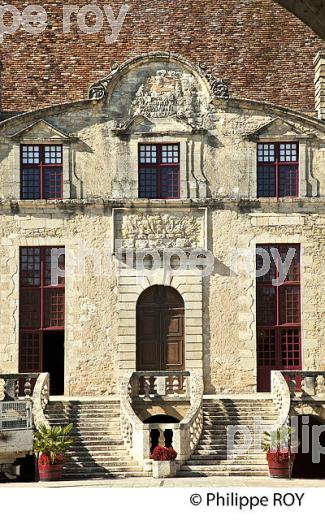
<point x="160" y="329"/>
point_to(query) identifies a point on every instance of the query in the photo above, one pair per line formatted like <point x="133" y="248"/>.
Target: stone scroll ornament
<point x="98" y="90"/>
<point x="219" y="87"/>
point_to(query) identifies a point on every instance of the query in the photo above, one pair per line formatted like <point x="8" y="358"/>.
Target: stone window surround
<point x="247" y="288"/>
<point x="131" y="287"/>
<point x="307" y="184"/>
<point x="193" y="184"/>
<point x="16" y="163"/>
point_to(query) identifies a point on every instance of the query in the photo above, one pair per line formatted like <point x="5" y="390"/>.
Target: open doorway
<point x="53" y="360"/>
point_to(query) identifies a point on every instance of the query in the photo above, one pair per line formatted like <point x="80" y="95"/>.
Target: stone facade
<point x="217" y="210"/>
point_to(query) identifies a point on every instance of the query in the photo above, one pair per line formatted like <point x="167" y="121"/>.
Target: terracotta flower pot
<point x="49" y="472"/>
<point x="280" y="468"/>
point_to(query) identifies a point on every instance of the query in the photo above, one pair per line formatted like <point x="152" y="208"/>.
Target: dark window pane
<point x="30" y="266"/>
<point x="169" y="182"/>
<point x="30" y="352"/>
<point x="30" y="183"/>
<point x="30" y="309"/>
<point x="266" y="181"/>
<point x="289" y="298"/>
<point x="288" y="181"/>
<point x="53" y="308"/>
<point x="53" y="180"/>
<point x="290" y="348"/>
<point x="266" y="306"/>
<point x="266" y="347"/>
<point x="148" y="182"/>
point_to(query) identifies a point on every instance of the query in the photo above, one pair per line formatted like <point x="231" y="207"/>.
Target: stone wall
<point x="93" y="311"/>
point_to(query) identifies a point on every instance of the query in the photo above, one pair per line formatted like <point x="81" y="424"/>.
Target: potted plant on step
<point x="51" y="444"/>
<point x="163" y="465"/>
<point x="279" y="452"/>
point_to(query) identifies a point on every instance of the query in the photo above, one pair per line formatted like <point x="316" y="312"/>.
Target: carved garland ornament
<point x="151" y="231"/>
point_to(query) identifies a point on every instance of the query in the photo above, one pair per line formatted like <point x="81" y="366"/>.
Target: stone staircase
<point x="99" y="450"/>
<point x="210" y="458"/>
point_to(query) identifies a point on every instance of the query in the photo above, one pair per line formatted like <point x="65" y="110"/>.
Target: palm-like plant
<point x="279" y="439"/>
<point x="53" y="441"/>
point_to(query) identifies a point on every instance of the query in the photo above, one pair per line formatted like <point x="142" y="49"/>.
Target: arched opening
<point x="160" y="329"/>
<point x="311" y="445"/>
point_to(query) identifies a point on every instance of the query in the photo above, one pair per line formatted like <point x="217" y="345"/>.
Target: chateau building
<point x="162" y="251"/>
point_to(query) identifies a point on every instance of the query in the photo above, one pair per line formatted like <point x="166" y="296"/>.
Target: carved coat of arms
<point x="168" y="93"/>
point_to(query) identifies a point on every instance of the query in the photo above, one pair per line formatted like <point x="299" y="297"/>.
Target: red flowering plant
<point x="278" y="445"/>
<point x="163" y="454"/>
<point x="51" y="443"/>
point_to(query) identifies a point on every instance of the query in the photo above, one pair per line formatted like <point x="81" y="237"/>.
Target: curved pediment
<point x="157" y="86"/>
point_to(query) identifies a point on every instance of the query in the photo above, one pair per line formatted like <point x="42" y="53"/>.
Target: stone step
<point x="96" y="475"/>
<point x="222" y="473"/>
<point x="98" y="455"/>
<point x="247" y="468"/>
<point x="254" y="458"/>
<point x="74" y="466"/>
<point x="113" y="421"/>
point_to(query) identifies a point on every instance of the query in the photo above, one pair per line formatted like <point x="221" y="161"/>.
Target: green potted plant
<point x="164" y="464"/>
<point x="51" y="444"/>
<point x="279" y="452"/>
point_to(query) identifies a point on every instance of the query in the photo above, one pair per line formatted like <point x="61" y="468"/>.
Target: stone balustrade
<point x="305" y="384"/>
<point x="17" y="385"/>
<point x="160" y="385"/>
<point x="24" y="397"/>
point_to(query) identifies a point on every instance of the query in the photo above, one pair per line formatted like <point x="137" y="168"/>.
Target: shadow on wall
<point x="304" y="466"/>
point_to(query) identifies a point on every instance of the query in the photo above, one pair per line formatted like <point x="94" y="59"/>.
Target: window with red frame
<point x="41" y="172"/>
<point x="41" y="305"/>
<point x="278" y="313"/>
<point x="159" y="171"/>
<point x="277" y="169"/>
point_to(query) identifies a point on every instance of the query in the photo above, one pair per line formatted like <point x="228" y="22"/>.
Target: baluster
<point x="146" y="387"/>
<point x="176" y="385"/>
<point x="141" y="383"/>
<point x="308" y="385"/>
<point x="28" y="387"/>
<point x="16" y="383"/>
<point x="292" y="385"/>
<point x="320" y="384"/>
<point x="161" y="385"/>
<point x="152" y="386"/>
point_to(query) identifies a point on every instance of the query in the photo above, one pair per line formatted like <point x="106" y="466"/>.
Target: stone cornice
<point x="306" y="205"/>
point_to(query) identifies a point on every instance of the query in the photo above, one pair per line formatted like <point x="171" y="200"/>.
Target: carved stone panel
<point x="169" y="93"/>
<point x="160" y="229"/>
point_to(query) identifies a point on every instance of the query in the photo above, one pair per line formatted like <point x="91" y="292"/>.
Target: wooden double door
<point x="160" y="330"/>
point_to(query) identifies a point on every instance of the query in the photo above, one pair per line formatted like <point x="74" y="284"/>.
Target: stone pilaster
<point x="319" y="63"/>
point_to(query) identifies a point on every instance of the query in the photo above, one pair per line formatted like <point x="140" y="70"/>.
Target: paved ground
<point x="208" y="482"/>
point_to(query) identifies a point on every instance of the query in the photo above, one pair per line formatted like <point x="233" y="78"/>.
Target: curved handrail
<point x="281" y="398"/>
<point x="40" y="399"/>
<point x="131" y="426"/>
<point x="192" y="424"/>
